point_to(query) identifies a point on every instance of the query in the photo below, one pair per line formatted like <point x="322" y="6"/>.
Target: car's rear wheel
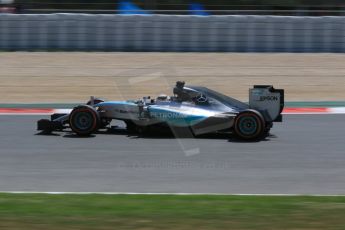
<point x="249" y="125"/>
<point x="84" y="120"/>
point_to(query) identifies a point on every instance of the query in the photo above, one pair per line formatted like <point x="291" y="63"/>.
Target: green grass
<point x="146" y="212"/>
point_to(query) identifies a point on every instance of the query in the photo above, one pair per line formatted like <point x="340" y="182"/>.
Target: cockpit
<point x="196" y="95"/>
<point x="183" y="93"/>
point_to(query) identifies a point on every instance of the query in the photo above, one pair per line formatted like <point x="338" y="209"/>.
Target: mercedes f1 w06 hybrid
<point x="197" y="109"/>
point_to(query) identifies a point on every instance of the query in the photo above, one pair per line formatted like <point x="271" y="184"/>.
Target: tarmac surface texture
<point x="304" y="155"/>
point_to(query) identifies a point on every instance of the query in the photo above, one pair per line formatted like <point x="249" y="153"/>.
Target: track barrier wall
<point x="164" y="33"/>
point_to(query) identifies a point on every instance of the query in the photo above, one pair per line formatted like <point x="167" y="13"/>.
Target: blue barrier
<point x="127" y="7"/>
<point x="197" y="9"/>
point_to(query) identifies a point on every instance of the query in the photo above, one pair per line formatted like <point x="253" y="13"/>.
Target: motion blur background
<point x="226" y="45"/>
<point x="266" y="7"/>
<point x="210" y="31"/>
<point x="152" y="25"/>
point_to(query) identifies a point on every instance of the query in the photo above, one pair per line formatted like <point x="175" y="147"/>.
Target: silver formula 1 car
<point x="196" y="109"/>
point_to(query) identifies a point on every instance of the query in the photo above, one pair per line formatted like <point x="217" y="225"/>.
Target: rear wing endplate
<point x="268" y="100"/>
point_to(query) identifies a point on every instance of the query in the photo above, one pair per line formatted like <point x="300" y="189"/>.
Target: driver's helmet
<point x="162" y="97"/>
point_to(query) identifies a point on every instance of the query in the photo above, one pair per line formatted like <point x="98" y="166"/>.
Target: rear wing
<point x="268" y="100"/>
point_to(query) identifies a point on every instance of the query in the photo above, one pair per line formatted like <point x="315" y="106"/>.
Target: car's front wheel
<point x="249" y="125"/>
<point x="84" y="120"/>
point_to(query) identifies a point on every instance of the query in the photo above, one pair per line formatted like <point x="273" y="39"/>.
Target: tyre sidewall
<point x="90" y="111"/>
<point x="254" y="116"/>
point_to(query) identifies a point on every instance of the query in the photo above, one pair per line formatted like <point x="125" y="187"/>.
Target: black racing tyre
<point x="142" y="130"/>
<point x="104" y="121"/>
<point x="268" y="127"/>
<point x="84" y="120"/>
<point x="249" y="125"/>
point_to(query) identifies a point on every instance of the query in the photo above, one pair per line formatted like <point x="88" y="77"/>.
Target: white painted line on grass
<point x="152" y="193"/>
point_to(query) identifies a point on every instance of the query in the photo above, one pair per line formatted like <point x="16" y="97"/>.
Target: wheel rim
<point x="83" y="120"/>
<point x="248" y="125"/>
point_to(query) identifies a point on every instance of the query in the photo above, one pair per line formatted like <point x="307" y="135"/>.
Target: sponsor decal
<point x="268" y="98"/>
<point x="125" y="111"/>
<point x="169" y="115"/>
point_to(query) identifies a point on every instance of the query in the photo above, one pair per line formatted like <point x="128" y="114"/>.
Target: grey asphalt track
<point x="305" y="155"/>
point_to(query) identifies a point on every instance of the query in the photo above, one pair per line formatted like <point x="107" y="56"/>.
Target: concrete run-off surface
<point x="305" y="155"/>
<point x="73" y="77"/>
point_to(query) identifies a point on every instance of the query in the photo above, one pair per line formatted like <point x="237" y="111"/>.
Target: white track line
<point x="150" y="193"/>
<point x="340" y="110"/>
<point x="288" y="111"/>
<point x="62" y="110"/>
